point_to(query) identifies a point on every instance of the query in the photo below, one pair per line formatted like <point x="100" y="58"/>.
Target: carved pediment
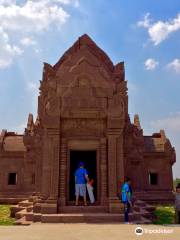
<point x="85" y="43"/>
<point x="84" y="81"/>
<point x="84" y="71"/>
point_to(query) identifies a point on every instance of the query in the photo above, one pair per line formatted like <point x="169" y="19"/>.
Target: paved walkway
<point x="38" y="231"/>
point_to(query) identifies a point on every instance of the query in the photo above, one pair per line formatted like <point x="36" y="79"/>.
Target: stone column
<point x="115" y="167"/>
<point x="112" y="168"/>
<point x="55" y="167"/>
<point x="103" y="171"/>
<point x="63" y="173"/>
<point x="120" y="159"/>
<point x="50" y="168"/>
<point x="46" y="167"/>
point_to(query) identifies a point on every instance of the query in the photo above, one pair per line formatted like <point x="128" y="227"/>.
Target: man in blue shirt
<point x="81" y="176"/>
<point x="126" y="198"/>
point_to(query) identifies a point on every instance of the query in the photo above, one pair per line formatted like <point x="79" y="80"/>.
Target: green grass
<point x="164" y="215"/>
<point x="5" y="218"/>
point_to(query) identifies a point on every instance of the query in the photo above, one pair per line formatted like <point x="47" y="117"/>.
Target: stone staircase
<point x="26" y="213"/>
<point x="153" y="197"/>
<point x="83" y="209"/>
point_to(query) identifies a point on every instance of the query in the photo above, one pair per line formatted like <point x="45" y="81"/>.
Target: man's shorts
<point x="80" y="190"/>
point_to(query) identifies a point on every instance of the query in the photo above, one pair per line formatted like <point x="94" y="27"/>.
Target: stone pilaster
<point x="50" y="168"/>
<point x="55" y="164"/>
<point x="46" y="169"/>
<point x="115" y="167"/>
<point x="103" y="171"/>
<point x="63" y="172"/>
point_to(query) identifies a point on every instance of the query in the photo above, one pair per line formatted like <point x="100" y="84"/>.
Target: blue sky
<point x="145" y="34"/>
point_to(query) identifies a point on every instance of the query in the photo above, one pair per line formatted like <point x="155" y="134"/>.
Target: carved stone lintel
<point x="83" y="127"/>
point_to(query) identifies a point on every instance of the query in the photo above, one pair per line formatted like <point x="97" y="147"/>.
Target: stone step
<point x="15" y="194"/>
<point x="11" y="200"/>
<point x="15" y="209"/>
<point x="25" y="203"/>
<point x="142" y="220"/>
<point x="20" y="214"/>
<point x="140" y="203"/>
<point x="83" y="209"/>
<point x="37" y="217"/>
<point x="150" y="208"/>
<point x="29" y="216"/>
<point x="87" y="217"/>
<point x="146" y="214"/>
<point x="29" y="209"/>
<point x="23" y="222"/>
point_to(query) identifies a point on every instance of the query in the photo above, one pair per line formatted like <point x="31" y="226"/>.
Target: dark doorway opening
<point x="153" y="178"/>
<point x="89" y="160"/>
<point x="12" y="179"/>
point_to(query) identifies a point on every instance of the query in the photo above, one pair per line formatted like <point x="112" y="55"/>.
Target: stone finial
<point x="30" y="123"/>
<point x="137" y="122"/>
<point x="163" y="135"/>
<point x="48" y="71"/>
<point x="85" y="40"/>
<point x="3" y="132"/>
<point x="37" y="122"/>
<point x="119" y="72"/>
<point x="2" y="136"/>
<point x="119" y="67"/>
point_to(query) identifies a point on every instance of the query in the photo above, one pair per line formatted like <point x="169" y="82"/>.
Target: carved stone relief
<point x="83" y="127"/>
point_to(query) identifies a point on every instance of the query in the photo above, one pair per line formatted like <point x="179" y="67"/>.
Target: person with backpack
<point x="81" y="177"/>
<point x="177" y="203"/>
<point x="126" y="193"/>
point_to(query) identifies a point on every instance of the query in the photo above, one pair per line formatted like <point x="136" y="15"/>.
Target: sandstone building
<point x="83" y="116"/>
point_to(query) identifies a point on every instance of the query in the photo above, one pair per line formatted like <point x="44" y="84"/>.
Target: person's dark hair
<point x="178" y="186"/>
<point x="127" y="179"/>
<point x="81" y="164"/>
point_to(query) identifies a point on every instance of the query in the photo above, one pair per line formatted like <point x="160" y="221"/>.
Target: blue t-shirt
<point x="125" y="190"/>
<point x="80" y="175"/>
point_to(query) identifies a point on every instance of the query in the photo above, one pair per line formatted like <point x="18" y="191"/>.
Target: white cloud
<point x="159" y="31"/>
<point x="151" y="64"/>
<point x="66" y="2"/>
<point x="7" y="2"/>
<point x="7" y="51"/>
<point x="174" y="65"/>
<point x="171" y="123"/>
<point x="145" y="22"/>
<point x="20" y="23"/>
<point x="27" y="41"/>
<point x="33" y="16"/>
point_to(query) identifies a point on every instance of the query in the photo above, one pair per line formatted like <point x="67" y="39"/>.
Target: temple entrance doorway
<point x="89" y="158"/>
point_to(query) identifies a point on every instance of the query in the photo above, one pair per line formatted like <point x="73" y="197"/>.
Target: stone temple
<point x="83" y="116"/>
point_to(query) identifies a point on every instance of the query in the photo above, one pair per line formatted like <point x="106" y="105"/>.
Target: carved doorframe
<point x="93" y="146"/>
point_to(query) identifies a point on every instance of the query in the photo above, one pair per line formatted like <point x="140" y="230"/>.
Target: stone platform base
<point x="13" y="198"/>
<point x="83" y="209"/>
<point x="28" y="218"/>
<point x="30" y="211"/>
<point x="154" y="197"/>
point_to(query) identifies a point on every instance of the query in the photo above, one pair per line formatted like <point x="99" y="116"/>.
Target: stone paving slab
<point x="82" y="231"/>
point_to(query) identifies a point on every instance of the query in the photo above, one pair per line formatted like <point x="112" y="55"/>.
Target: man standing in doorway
<point x="81" y="176"/>
<point x="126" y="198"/>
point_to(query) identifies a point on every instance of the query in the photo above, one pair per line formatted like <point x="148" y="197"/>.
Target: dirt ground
<point x="38" y="231"/>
